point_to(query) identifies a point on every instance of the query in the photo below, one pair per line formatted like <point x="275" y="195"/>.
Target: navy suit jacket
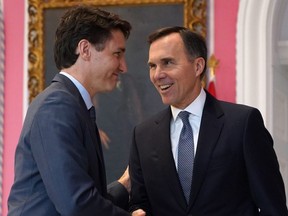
<point x="235" y="169"/>
<point x="59" y="166"/>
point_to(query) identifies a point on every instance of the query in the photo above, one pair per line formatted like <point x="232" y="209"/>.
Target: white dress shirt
<point x="196" y="109"/>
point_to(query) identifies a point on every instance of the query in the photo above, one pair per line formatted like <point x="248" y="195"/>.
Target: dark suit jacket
<point x="235" y="169"/>
<point x="59" y="166"/>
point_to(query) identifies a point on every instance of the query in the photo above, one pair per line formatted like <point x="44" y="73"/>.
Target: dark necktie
<point x="93" y="116"/>
<point x="185" y="155"/>
<point x="98" y="147"/>
<point x="93" y="119"/>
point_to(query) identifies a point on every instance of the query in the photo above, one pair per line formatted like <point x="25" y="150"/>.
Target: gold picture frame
<point x="194" y="12"/>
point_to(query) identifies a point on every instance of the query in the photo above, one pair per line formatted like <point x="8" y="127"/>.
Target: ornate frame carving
<point x="194" y="18"/>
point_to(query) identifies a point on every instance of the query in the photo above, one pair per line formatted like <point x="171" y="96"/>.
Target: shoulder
<point x="230" y="110"/>
<point x="241" y="112"/>
<point x="233" y="107"/>
<point x="55" y="104"/>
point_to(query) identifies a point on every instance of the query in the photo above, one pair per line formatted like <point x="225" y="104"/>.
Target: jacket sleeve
<point x="265" y="179"/>
<point x="118" y="194"/>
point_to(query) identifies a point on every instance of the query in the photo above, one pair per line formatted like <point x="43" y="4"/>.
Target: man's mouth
<point x="116" y="74"/>
<point x="165" y="87"/>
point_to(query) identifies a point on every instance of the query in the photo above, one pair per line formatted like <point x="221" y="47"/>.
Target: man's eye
<point x="117" y="54"/>
<point x="167" y="62"/>
<point x="152" y="66"/>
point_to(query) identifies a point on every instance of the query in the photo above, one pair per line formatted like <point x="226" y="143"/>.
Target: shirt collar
<point x="195" y="108"/>
<point x="84" y="93"/>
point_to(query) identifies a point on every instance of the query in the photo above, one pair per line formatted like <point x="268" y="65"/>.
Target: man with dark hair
<point x="200" y="156"/>
<point x="59" y="165"/>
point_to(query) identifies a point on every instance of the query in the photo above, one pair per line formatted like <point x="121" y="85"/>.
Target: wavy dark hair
<point x="85" y="22"/>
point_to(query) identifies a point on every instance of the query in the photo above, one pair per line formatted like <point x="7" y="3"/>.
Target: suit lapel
<point x="96" y="146"/>
<point x="68" y="84"/>
<point x="210" y="130"/>
<point x="166" y="160"/>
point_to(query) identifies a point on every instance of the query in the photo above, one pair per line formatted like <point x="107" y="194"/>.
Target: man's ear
<point x="83" y="49"/>
<point x="199" y="65"/>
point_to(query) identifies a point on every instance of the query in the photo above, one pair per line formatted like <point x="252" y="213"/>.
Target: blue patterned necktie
<point x="185" y="155"/>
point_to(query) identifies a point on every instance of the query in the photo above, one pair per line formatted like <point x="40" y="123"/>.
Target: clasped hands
<point x="125" y="181"/>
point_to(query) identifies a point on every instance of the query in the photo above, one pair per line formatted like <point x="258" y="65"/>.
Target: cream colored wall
<point x="280" y="89"/>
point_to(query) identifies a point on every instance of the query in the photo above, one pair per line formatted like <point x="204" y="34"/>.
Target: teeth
<point x="163" y="87"/>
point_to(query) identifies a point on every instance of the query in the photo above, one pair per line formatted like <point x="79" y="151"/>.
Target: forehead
<point x="117" y="39"/>
<point x="170" y="45"/>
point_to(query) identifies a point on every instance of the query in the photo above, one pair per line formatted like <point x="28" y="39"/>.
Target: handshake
<point x="125" y="181"/>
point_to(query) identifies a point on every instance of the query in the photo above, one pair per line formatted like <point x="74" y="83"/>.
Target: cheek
<point x="151" y="74"/>
<point x="186" y="82"/>
<point x="189" y="85"/>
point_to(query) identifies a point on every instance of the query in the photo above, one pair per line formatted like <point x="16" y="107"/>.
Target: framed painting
<point x="135" y="98"/>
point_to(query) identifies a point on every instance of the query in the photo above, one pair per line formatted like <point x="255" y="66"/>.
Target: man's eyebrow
<point x="166" y="59"/>
<point x="150" y="62"/>
<point x="161" y="60"/>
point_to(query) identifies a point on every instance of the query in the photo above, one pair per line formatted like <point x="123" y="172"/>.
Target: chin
<point x="166" y="102"/>
<point x="110" y="89"/>
<point x="112" y="86"/>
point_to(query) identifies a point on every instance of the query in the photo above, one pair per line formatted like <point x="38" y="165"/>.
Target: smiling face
<point x="173" y="73"/>
<point x="98" y="71"/>
<point x="106" y="65"/>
